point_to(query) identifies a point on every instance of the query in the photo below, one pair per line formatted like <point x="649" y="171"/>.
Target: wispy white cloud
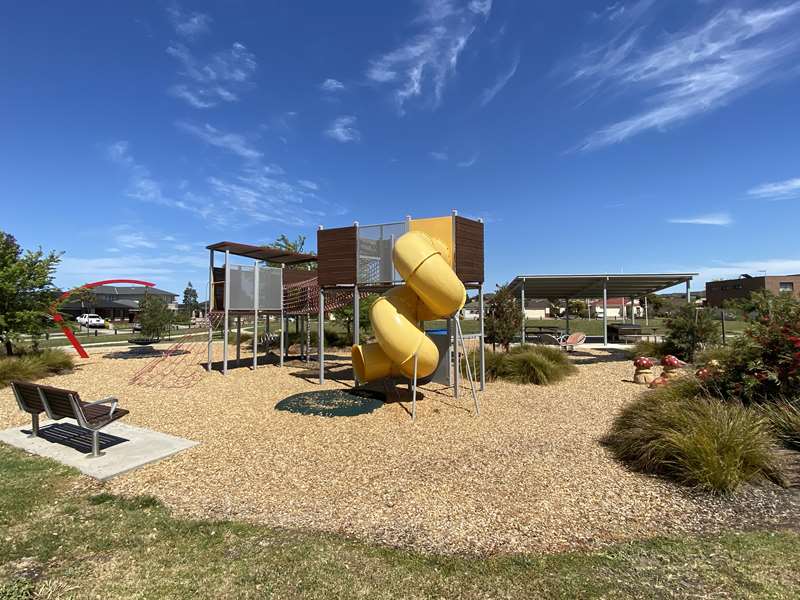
<point x="422" y="66"/>
<point x="221" y="78"/>
<point x="468" y="162"/>
<point x="310" y="185"/>
<point x="232" y="142"/>
<point x="721" y="219"/>
<point x="732" y="269"/>
<point x="332" y="85"/>
<point x="134" y="240"/>
<point x="188" y="24"/>
<point x="691" y="72"/>
<point x="343" y="129"/>
<point x="490" y="92"/>
<point x="438" y="155"/>
<point x="777" y="190"/>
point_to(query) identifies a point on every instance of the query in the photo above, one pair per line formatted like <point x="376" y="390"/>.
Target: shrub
<point x="539" y="365"/>
<point x="649" y="349"/>
<point x="34" y="366"/>
<point x="689" y="330"/>
<point x="679" y="432"/>
<point x="503" y="317"/>
<point x="784" y="417"/>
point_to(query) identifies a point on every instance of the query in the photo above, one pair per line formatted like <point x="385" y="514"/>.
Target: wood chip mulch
<point x="529" y="474"/>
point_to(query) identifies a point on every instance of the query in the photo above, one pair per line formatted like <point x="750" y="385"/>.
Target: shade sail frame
<point x="265" y="253"/>
<point x="616" y="285"/>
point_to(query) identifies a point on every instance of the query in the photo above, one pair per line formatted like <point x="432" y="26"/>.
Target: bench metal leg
<point x="96" y="444"/>
<point x="34" y="425"/>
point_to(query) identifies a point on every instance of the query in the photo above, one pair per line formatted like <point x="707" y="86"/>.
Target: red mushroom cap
<point x="670" y="361"/>
<point x="643" y="362"/>
<point x="703" y="373"/>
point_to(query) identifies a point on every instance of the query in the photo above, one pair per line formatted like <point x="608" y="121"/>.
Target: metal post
<point x="210" y="307"/>
<point x="356" y="323"/>
<point x="688" y="293"/>
<point x="225" y="327"/>
<point x="469" y="371"/>
<point x="633" y="311"/>
<point x="308" y="338"/>
<point x="414" y="391"/>
<point x="255" y="315"/>
<point x="482" y="354"/>
<point x="450" y="338"/>
<point x="646" y="314"/>
<point x="456" y="358"/>
<point x="283" y="320"/>
<point x="522" y="301"/>
<point x="321" y="336"/>
<point x="605" y="311"/>
<point x="238" y="338"/>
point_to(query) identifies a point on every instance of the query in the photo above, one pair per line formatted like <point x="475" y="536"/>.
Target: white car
<point x="91" y="320"/>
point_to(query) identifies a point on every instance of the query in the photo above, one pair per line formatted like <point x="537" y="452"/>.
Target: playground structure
<point x="353" y="262"/>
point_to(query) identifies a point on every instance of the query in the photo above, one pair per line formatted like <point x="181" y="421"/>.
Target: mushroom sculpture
<point x="671" y="365"/>
<point x="703" y="373"/>
<point x="644" y="370"/>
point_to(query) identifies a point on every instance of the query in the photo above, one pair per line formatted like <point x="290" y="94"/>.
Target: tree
<point x="26" y="289"/>
<point x="346" y="314"/>
<point x="154" y="315"/>
<point x="578" y="308"/>
<point x="190" y="302"/>
<point x="689" y="330"/>
<point x="503" y="317"/>
<point x="655" y="305"/>
<point x="298" y="246"/>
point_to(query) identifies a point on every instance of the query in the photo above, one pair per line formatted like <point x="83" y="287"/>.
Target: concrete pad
<point x="124" y="447"/>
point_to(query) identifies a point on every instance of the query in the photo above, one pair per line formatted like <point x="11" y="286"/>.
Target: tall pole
<point x="255" y="314"/>
<point x="356" y="322"/>
<point x="633" y="311"/>
<point x="482" y="353"/>
<point x="225" y="326"/>
<point x="321" y="336"/>
<point x="688" y="293"/>
<point x="605" y="311"/>
<point x="210" y="307"/>
<point x="238" y="339"/>
<point x="646" y="315"/>
<point x="522" y="302"/>
<point x="282" y="331"/>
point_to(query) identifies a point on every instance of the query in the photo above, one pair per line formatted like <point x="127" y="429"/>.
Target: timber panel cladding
<point x="469" y="250"/>
<point x="336" y="253"/>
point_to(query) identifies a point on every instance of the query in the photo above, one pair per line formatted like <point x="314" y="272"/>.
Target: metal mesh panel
<point x="269" y="288"/>
<point x="375" y="245"/>
<point x="241" y="288"/>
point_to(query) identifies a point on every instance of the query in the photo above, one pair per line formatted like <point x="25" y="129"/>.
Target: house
<point x="730" y="289"/>
<point x="116" y="303"/>
<point x="534" y="309"/>
<point x="618" y="308"/>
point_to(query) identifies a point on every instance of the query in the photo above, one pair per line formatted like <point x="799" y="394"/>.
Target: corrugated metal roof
<point x="591" y="286"/>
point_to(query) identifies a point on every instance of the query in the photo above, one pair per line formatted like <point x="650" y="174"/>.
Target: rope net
<point x="180" y="365"/>
<point x="302" y="298"/>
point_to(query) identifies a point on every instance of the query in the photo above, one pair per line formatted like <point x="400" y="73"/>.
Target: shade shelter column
<point x="605" y="312"/>
<point x="225" y="327"/>
<point x="688" y="293"/>
<point x="522" y="303"/>
<point x="255" y="314"/>
<point x="483" y="343"/>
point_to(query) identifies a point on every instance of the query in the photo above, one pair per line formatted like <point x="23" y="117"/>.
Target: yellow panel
<point x="441" y="230"/>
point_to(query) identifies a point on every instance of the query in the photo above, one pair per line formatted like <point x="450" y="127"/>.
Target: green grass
<point x="65" y="543"/>
<point x="679" y="432"/>
<point x="33" y="366"/>
<point x="784" y="417"/>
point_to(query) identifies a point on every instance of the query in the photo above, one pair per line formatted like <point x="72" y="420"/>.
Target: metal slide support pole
<point x="209" y="308"/>
<point x="255" y="315"/>
<point x="522" y="303"/>
<point x="283" y="320"/>
<point x="483" y="342"/>
<point x="450" y="338"/>
<point x="225" y="327"/>
<point x="414" y="391"/>
<point x="356" y="322"/>
<point x="456" y="358"/>
<point x="605" y="311"/>
<point x="321" y="336"/>
<point x="469" y="371"/>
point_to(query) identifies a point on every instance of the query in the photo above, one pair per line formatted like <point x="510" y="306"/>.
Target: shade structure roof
<point x="266" y="253"/>
<point x="591" y="286"/>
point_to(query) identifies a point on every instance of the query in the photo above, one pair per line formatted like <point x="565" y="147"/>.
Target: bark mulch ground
<point x="529" y="474"/>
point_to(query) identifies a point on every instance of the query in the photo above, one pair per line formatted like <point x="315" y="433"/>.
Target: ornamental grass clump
<point x="784" y="418"/>
<point x="680" y="432"/>
<point x="538" y="365"/>
<point x="34" y="366"/>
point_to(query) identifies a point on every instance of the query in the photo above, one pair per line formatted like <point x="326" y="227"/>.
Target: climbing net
<point x="302" y="298"/>
<point x="180" y="365"/>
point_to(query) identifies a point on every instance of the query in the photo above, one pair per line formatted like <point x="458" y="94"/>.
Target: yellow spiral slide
<point x="432" y="291"/>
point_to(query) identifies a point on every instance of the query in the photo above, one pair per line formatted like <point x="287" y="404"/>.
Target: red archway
<point x="60" y="320"/>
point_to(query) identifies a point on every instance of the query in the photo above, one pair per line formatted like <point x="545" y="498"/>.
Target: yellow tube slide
<point x="432" y="291"/>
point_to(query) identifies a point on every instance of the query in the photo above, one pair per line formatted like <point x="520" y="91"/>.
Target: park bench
<point x="66" y="404"/>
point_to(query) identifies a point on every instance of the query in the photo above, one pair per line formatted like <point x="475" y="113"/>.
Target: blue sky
<point x="590" y="136"/>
